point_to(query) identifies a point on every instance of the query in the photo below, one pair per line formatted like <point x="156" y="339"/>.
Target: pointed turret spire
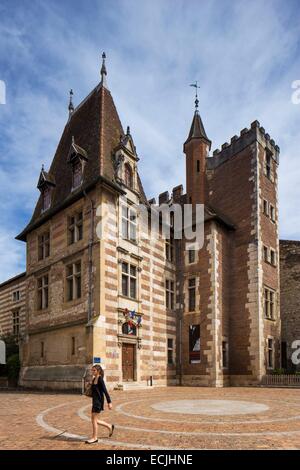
<point x="197" y="130"/>
<point x="103" y="71"/>
<point x="71" y="106"/>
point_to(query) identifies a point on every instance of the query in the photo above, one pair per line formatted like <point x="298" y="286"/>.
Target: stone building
<point x="290" y="301"/>
<point x="152" y="310"/>
<point x="12" y="307"/>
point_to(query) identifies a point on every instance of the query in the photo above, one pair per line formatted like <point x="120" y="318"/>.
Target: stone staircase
<point x="132" y="386"/>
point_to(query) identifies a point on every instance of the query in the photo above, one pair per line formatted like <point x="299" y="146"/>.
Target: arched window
<point x="128" y="176"/>
<point x="129" y="328"/>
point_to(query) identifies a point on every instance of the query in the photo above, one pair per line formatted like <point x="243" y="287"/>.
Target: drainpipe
<point x="90" y="256"/>
<point x="180" y="351"/>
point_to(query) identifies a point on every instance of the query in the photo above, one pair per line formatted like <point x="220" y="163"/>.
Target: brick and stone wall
<point x="64" y="323"/>
<point x="290" y="299"/>
<point x="10" y="303"/>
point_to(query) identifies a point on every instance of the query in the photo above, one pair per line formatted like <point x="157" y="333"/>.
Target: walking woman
<point x="98" y="392"/>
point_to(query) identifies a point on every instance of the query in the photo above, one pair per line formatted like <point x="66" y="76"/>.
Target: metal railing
<point x="282" y="380"/>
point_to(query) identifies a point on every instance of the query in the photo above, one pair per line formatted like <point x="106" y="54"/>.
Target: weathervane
<point x="195" y="85"/>
<point x="71" y="106"/>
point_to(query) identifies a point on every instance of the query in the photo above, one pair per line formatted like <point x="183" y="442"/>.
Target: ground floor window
<point x="194" y="344"/>
<point x="16" y="322"/>
<point x="270" y="353"/>
<point x="284" y="355"/>
<point x="224" y="354"/>
<point x="170" y="351"/>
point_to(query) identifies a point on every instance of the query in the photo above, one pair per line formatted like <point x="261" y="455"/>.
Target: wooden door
<point x="128" y="362"/>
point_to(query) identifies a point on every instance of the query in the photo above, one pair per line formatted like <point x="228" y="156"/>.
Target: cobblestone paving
<point x="31" y="420"/>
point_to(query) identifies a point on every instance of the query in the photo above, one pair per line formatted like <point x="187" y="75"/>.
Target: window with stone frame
<point x="75" y="228"/>
<point x="269" y="303"/>
<point x="128" y="176"/>
<point x="266" y="254"/>
<point x="129" y="280"/>
<point x="270" y="353"/>
<point x="170" y="294"/>
<point x="16" y="322"/>
<point x="76" y="174"/>
<point x="272" y="213"/>
<point x="16" y="296"/>
<point x="268" y="165"/>
<point x="129" y="224"/>
<point x="43" y="292"/>
<point x="225" y="354"/>
<point x="44" y="245"/>
<point x="192" y="294"/>
<point x="266" y="207"/>
<point x="273" y="257"/>
<point x="73" y="279"/>
<point x="194" y="344"/>
<point x="191" y="255"/>
<point x="170" y="351"/>
<point x="73" y="346"/>
<point x="46" y="198"/>
<point x="170" y="249"/>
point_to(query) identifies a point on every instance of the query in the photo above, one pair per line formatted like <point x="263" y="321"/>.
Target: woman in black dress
<point x="99" y="390"/>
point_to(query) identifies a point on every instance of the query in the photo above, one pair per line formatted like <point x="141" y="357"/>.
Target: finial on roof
<point x="43" y="167"/>
<point x="103" y="71"/>
<point x="71" y="106"/>
<point x="128" y="130"/>
<point x="195" y="85"/>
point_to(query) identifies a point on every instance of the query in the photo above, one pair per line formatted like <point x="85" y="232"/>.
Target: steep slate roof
<point x="197" y="130"/>
<point x="96" y="128"/>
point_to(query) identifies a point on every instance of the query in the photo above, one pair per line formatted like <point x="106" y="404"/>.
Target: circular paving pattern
<point x="210" y="407"/>
<point x="219" y="419"/>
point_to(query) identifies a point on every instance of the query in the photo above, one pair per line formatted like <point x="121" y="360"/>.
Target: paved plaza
<point x="158" y="418"/>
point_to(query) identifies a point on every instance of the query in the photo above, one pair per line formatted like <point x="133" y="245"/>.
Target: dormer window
<point x="77" y="174"/>
<point x="128" y="177"/>
<point x="77" y="158"/>
<point x="46" y="198"/>
<point x="46" y="184"/>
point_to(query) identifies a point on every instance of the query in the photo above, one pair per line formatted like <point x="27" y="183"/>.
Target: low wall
<point x="53" y="377"/>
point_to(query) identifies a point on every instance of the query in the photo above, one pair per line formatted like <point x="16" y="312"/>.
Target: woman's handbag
<point x="88" y="390"/>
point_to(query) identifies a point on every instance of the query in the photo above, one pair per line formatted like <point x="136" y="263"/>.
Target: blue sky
<point x="245" y="56"/>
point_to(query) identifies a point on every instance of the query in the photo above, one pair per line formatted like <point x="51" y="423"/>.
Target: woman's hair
<point x="99" y="369"/>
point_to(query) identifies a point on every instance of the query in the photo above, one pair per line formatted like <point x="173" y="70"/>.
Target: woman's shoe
<point x="90" y="441"/>
<point x="112" y="430"/>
